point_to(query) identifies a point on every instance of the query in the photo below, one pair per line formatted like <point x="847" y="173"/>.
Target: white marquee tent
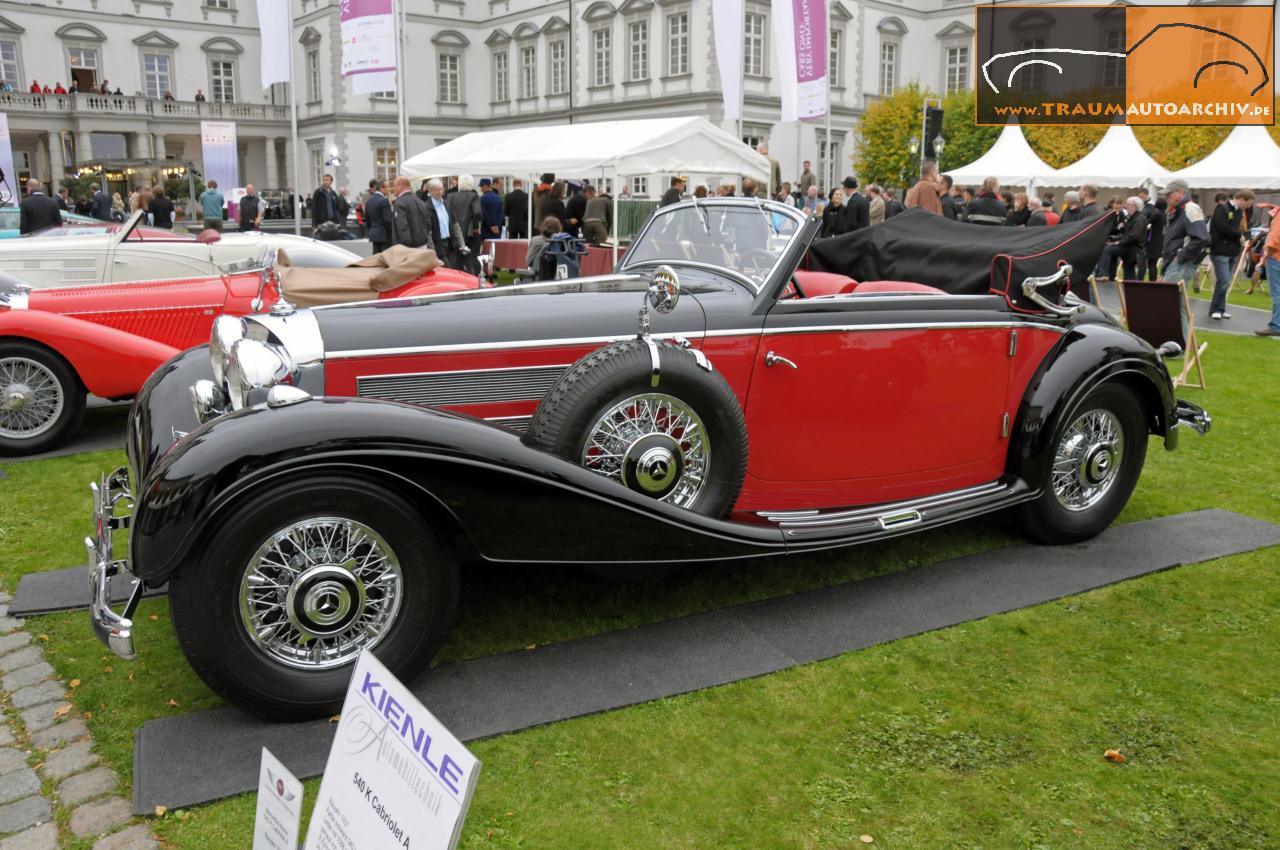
<point x="1010" y="160"/>
<point x="1247" y="157"/>
<point x="609" y="148"/>
<point x="1117" y="161"/>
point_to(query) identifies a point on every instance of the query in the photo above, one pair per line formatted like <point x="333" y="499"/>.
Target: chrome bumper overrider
<point x="114" y="630"/>
<point x="1186" y="415"/>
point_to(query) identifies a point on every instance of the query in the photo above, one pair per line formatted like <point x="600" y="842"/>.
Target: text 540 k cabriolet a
<point x="311" y="482"/>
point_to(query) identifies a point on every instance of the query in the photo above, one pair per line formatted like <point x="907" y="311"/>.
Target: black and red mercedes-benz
<point x="311" y="482"/>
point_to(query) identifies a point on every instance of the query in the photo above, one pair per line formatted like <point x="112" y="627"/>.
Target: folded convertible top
<point x="962" y="258"/>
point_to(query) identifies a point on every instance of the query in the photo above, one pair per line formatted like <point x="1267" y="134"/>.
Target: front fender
<point x="111" y="363"/>
<point x="1087" y="355"/>
<point x="509" y="501"/>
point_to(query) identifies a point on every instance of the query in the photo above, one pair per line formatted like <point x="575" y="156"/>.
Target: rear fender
<point x="1087" y="356"/>
<point x="507" y="501"/>
<point x="110" y="363"/>
<point x="434" y="282"/>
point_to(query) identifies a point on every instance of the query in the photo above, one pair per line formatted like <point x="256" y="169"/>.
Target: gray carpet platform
<point x="64" y="590"/>
<point x="195" y="758"/>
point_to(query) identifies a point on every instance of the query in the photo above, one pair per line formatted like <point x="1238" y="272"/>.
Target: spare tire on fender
<point x="683" y="441"/>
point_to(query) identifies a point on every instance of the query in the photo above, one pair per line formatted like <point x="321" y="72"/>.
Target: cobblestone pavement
<point x="54" y="789"/>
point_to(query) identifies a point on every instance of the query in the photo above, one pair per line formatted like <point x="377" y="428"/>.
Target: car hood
<point x="560" y="313"/>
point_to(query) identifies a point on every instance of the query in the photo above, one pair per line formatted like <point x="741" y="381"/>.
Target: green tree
<point x="965" y="140"/>
<point x="881" y="154"/>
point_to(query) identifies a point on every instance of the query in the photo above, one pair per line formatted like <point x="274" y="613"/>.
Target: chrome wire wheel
<point x="653" y="443"/>
<point x="319" y="590"/>
<point x="32" y="398"/>
<point x="1088" y="459"/>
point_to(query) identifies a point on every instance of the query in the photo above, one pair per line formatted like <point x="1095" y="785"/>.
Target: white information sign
<point x="279" y="806"/>
<point x="396" y="777"/>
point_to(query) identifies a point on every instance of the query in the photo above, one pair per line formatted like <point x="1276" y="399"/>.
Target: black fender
<point x="164" y="410"/>
<point x="502" y="499"/>
<point x="1089" y="354"/>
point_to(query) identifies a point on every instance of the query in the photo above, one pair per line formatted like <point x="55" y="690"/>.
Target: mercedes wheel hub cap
<point x="1088" y="459"/>
<point x="654" y="444"/>
<point x="652" y="465"/>
<point x="17" y="396"/>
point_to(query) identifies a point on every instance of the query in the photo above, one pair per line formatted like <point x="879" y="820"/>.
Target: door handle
<point x="772" y="359"/>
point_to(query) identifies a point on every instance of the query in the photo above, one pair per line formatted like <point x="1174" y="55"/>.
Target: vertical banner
<point x="800" y="45"/>
<point x="727" y="18"/>
<point x="10" y="192"/>
<point x="275" y="29"/>
<point x="369" y="44"/>
<point x="219" y="153"/>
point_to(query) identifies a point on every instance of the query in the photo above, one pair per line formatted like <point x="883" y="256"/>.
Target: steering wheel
<point x="792" y="290"/>
<point x="756" y="254"/>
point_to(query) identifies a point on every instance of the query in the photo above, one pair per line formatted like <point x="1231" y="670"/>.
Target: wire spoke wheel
<point x="1088" y="459"/>
<point x="319" y="590"/>
<point x="31" y="398"/>
<point x="653" y="443"/>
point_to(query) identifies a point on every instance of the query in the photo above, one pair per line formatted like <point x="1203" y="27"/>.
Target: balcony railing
<point x="111" y="104"/>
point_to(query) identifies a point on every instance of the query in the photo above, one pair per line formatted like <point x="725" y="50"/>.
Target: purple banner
<point x="368" y="44"/>
<point x="810" y="21"/>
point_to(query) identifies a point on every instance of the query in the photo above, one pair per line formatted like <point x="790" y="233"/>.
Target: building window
<point x="449" y="78"/>
<point x="888" y="67"/>
<point x="386" y="160"/>
<point x="1113" y="66"/>
<point x="529" y="71"/>
<point x="501" y="77"/>
<point x="678" y="44"/>
<point x="1032" y="77"/>
<point x="313" y="76"/>
<point x="753" y="45"/>
<point x="558" y="51"/>
<point x="957" y="68"/>
<point x="84" y="67"/>
<point x="835" y="67"/>
<point x="218" y="4"/>
<point x="602" y="57"/>
<point x="9" y="63"/>
<point x="752" y="138"/>
<point x="639" y="186"/>
<point x="222" y="81"/>
<point x="638" y="39"/>
<point x="828" y="162"/>
<point x="279" y="94"/>
<point x="156" y="77"/>
<point x="315" y="159"/>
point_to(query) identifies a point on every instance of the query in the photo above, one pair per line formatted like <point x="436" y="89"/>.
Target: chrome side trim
<point x="887" y="516"/>
<point x="691" y="335"/>
<point x="472" y="387"/>
<point x="17" y="298"/>
<point x="569" y="286"/>
<point x="519" y="424"/>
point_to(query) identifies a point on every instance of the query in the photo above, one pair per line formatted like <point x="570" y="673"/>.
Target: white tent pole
<point x="826" y="121"/>
<point x="532" y="226"/>
<point x="402" y="114"/>
<point x="296" y="200"/>
<point x="617" y="231"/>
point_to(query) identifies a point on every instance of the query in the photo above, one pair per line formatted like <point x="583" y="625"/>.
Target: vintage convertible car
<point x="59" y="343"/>
<point x="11" y="218"/>
<point x="106" y="252"/>
<point x="309" y="483"/>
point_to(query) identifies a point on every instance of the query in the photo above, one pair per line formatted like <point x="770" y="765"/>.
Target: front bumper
<point x="115" y="630"/>
<point x="1186" y="415"/>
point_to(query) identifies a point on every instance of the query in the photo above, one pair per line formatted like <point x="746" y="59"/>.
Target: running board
<point x="889" y="519"/>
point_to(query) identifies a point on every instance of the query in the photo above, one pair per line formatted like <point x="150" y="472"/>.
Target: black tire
<point x="1046" y="519"/>
<point x="205" y="598"/>
<point x="617" y="372"/>
<point x="48" y="431"/>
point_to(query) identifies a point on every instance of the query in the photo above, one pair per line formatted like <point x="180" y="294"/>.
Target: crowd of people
<point x="104" y="88"/>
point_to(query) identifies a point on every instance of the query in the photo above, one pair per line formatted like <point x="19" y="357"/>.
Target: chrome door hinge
<point x="1004" y="426"/>
<point x="1013" y="343"/>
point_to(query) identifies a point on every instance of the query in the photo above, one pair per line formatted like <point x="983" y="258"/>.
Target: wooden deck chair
<point x="1087" y="290"/>
<point x="1160" y="312"/>
<point x="1238" y="276"/>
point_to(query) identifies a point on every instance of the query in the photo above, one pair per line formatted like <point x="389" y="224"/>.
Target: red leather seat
<point x="813" y="284"/>
<point x="899" y="286"/>
<point x="208" y="236"/>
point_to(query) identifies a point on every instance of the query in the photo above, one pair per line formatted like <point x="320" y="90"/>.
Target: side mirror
<point x="664" y="290"/>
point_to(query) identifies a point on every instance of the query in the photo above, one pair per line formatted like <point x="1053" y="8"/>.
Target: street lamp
<point x="938" y="144"/>
<point x="914" y="145"/>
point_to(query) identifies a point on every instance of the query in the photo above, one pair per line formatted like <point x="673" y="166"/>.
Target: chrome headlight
<point x="254" y="366"/>
<point x="227" y="330"/>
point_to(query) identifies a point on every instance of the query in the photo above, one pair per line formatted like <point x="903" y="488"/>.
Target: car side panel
<point x="177" y="313"/>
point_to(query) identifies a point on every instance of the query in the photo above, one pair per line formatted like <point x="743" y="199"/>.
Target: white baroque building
<point x="471" y="64"/>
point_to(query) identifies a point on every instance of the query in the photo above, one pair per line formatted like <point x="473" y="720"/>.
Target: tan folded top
<point x="360" y="281"/>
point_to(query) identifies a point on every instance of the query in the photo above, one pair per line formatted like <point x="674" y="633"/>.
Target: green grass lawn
<point x="987" y="735"/>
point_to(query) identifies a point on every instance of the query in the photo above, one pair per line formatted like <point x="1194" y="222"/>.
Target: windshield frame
<point x="700" y="205"/>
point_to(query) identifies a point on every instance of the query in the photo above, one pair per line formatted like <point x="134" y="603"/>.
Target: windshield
<point x="742" y="237"/>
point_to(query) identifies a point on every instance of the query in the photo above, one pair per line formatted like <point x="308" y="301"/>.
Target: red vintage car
<point x="59" y="344"/>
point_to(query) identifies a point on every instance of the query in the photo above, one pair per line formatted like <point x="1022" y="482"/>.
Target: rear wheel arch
<point x="51" y="351"/>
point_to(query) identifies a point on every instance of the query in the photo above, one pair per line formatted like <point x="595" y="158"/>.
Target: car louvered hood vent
<point x="449" y="389"/>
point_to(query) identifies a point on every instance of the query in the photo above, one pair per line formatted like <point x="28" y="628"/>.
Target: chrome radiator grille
<point x="448" y="389"/>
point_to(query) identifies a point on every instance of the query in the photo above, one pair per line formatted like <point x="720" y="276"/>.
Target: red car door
<point x="875" y="398"/>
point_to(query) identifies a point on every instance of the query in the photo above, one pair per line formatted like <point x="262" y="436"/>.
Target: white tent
<point x="1247" y="158"/>
<point x="1117" y="161"/>
<point x="1010" y="160"/>
<point x="609" y="148"/>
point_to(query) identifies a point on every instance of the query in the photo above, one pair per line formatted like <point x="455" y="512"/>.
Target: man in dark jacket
<point x="1133" y="238"/>
<point x="324" y="204"/>
<point x="251" y="210"/>
<point x="1156" y="221"/>
<point x="37" y="210"/>
<point x="411" y="221"/>
<point x="378" y="221"/>
<point x="490" y="210"/>
<point x="516" y="207"/>
<point x="99" y="203"/>
<point x="856" y="212"/>
<point x="950" y="205"/>
<point x="1089" y="202"/>
<point x="161" y="209"/>
<point x="575" y="210"/>
<point x="673" y="195"/>
<point x="464" y="210"/>
<point x="987" y="208"/>
<point x="1227" y="229"/>
<point x="1186" y="237"/>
